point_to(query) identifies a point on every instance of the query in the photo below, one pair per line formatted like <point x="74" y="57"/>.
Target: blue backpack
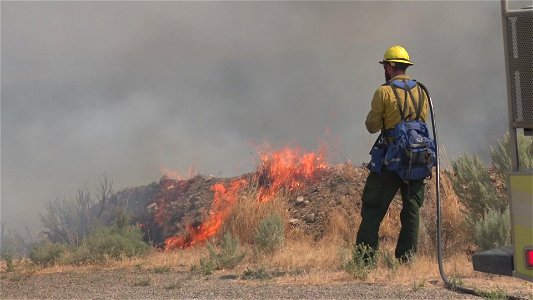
<point x="407" y="149"/>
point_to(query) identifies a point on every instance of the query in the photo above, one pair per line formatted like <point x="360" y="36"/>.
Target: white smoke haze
<point x="131" y="88"/>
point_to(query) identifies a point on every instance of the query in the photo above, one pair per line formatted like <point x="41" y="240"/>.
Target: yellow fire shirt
<point x="384" y="113"/>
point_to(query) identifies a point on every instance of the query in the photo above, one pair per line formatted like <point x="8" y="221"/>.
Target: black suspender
<point x="405" y="109"/>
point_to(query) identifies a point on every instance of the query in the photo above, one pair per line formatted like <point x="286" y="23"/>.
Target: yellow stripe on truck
<point x="522" y="220"/>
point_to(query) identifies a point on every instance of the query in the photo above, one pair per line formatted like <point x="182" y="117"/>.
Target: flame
<point x="223" y="202"/>
<point x="286" y="169"/>
<point x="171" y="174"/>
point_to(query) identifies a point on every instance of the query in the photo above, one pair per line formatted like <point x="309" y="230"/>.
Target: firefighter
<point x="382" y="184"/>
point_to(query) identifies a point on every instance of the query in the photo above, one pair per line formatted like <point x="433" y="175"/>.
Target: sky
<point x="131" y="89"/>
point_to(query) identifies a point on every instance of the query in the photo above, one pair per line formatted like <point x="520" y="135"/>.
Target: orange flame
<point x="223" y="202"/>
<point x="286" y="169"/>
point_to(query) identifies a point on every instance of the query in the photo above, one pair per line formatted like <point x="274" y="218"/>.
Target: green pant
<point x="377" y="196"/>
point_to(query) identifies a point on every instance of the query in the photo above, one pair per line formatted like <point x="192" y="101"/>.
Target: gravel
<point x="147" y="284"/>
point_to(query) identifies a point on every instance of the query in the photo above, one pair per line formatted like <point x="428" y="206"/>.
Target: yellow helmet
<point x="396" y="54"/>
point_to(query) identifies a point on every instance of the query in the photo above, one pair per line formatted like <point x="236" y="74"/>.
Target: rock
<point x="300" y="199"/>
<point x="152" y="207"/>
<point x="309" y="218"/>
<point x="294" y="221"/>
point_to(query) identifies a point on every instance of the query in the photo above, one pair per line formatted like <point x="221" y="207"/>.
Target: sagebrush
<point x="362" y="261"/>
<point x="493" y="230"/>
<point x="46" y="253"/>
<point x="270" y="233"/>
<point x="483" y="190"/>
<point x="110" y="243"/>
<point x="103" y="244"/>
<point x="475" y="188"/>
<point x="228" y="257"/>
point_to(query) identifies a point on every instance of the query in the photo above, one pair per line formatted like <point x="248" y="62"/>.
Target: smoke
<point x="130" y="88"/>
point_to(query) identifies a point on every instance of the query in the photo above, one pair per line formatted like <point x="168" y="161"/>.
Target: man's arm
<point x="374" y="119"/>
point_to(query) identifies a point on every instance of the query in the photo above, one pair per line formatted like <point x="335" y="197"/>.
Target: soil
<point x="177" y="283"/>
<point x="169" y="207"/>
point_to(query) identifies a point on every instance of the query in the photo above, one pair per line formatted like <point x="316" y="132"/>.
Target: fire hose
<point x="450" y="285"/>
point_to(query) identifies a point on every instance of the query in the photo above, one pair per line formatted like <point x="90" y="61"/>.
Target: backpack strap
<point x="393" y="86"/>
<point x="405" y="102"/>
<point x="407" y="86"/>
<point x="414" y="104"/>
<point x="420" y="101"/>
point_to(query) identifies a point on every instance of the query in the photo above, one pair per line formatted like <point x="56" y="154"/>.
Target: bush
<point x="68" y="221"/>
<point x="106" y="243"/>
<point x="389" y="261"/>
<point x="473" y="186"/>
<point x="363" y="260"/>
<point x="228" y="257"/>
<point x="102" y="244"/>
<point x="501" y="154"/>
<point x="247" y="213"/>
<point x="13" y="244"/>
<point x="10" y="266"/>
<point x="270" y="233"/>
<point x="493" y="230"/>
<point x="209" y="264"/>
<point x="501" y="158"/>
<point x="485" y="198"/>
<point x="46" y="253"/>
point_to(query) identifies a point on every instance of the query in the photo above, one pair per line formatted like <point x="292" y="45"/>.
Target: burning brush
<point x="287" y="169"/>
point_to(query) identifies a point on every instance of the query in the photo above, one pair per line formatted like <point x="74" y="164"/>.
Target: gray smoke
<point x="131" y="88"/>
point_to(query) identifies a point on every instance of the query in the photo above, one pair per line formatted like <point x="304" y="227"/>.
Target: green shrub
<point x="105" y="243"/>
<point x="501" y="157"/>
<point x="13" y="244"/>
<point x="10" y="266"/>
<point x="228" y="257"/>
<point x="209" y="264"/>
<point x="482" y="195"/>
<point x="474" y="188"/>
<point x="493" y="230"/>
<point x="499" y="294"/>
<point x="173" y="286"/>
<point x="388" y="260"/>
<point x="418" y="285"/>
<point x="162" y="269"/>
<point x="144" y="281"/>
<point x="456" y="282"/>
<point x="363" y="260"/>
<point x="46" y="253"/>
<point x="270" y="233"/>
<point x="260" y="273"/>
<point x="501" y="154"/>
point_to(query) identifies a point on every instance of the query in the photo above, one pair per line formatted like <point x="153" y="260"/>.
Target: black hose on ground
<point x="447" y="282"/>
<point x="450" y="285"/>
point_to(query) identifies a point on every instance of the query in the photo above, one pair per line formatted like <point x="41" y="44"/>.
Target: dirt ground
<point x="132" y="283"/>
<point x="168" y="207"/>
<point x="326" y="207"/>
<point x="173" y="276"/>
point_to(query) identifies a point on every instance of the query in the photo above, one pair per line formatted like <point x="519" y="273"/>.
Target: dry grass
<point x="248" y="213"/>
<point x="343" y="224"/>
<point x="305" y="255"/>
<point x="310" y="262"/>
<point x="306" y="261"/>
<point x="177" y="258"/>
